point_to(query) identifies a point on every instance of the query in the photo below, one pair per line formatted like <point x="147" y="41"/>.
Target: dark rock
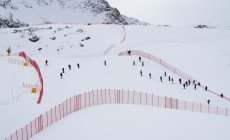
<point x="34" y="39"/>
<point x="87" y="38"/>
<point x="53" y="38"/>
<point x="202" y="26"/>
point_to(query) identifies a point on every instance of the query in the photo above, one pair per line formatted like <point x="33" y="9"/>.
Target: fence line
<point x="30" y="86"/>
<point x="109" y="96"/>
<point x="173" y="69"/>
<point x="16" y="61"/>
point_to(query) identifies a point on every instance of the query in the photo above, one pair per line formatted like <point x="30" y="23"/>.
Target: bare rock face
<point x="11" y="12"/>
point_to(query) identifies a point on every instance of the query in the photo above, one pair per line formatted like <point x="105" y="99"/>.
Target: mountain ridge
<point x="21" y="13"/>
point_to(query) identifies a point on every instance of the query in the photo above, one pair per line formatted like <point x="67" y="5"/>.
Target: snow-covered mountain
<point x="19" y="13"/>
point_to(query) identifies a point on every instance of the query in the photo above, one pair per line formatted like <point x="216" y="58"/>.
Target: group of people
<point x="69" y="66"/>
<point x="185" y="84"/>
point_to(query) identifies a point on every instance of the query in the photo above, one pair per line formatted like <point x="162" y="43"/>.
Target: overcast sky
<point x="176" y="12"/>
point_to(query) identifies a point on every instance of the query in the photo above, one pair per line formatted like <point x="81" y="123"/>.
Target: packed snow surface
<point x="202" y="53"/>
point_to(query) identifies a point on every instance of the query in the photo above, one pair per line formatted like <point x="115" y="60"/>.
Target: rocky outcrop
<point x="11" y="9"/>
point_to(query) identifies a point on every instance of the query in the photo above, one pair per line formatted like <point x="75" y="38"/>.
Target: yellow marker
<point x="34" y="90"/>
<point x="25" y="64"/>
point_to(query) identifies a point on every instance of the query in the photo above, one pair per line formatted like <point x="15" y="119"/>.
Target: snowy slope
<point x="202" y="53"/>
<point x="60" y="11"/>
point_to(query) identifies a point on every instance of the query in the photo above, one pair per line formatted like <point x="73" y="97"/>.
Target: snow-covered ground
<point x="202" y="53"/>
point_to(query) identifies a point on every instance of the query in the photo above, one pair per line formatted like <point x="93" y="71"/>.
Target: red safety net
<point x="35" y="65"/>
<point x="109" y="96"/>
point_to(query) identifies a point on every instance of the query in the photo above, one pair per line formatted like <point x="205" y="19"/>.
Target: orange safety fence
<point x="171" y="68"/>
<point x="109" y="96"/>
<point x="30" y="86"/>
<point x="15" y="61"/>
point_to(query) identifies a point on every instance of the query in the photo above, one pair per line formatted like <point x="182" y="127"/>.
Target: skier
<point x="78" y="65"/>
<point x="105" y="62"/>
<point x="206" y="88"/>
<point x="141" y="72"/>
<point x="61" y="75"/>
<point x="186" y="83"/>
<point x="129" y="52"/>
<point x="198" y="83"/>
<point x="208" y="101"/>
<point x="222" y="95"/>
<point x="69" y="67"/>
<point x="139" y="58"/>
<point x="172" y="80"/>
<point x="180" y="81"/>
<point x="46" y="62"/>
<point x="165" y="74"/>
<point x="184" y="86"/>
<point x="169" y="78"/>
<point x="194" y="82"/>
<point x="142" y="63"/>
<point x="189" y="81"/>
<point x="150" y="76"/>
<point x="133" y="63"/>
<point x="195" y="86"/>
<point x="63" y="70"/>
<point x="161" y="78"/>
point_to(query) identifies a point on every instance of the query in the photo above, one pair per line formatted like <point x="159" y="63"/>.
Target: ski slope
<point x="202" y="53"/>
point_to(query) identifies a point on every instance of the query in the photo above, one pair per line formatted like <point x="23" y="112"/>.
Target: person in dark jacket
<point x="206" y="88"/>
<point x="165" y="74"/>
<point x="189" y="81"/>
<point x="141" y="72"/>
<point x="184" y="86"/>
<point x="129" y="52"/>
<point x="69" y="67"/>
<point x="169" y="78"/>
<point x="142" y="63"/>
<point x="161" y="78"/>
<point x="195" y="86"/>
<point x="222" y="95"/>
<point x="105" y="62"/>
<point x="180" y="80"/>
<point x="208" y="101"/>
<point x="150" y="76"/>
<point x="46" y="62"/>
<point x="78" y="65"/>
<point x="61" y="75"/>
<point x="139" y="58"/>
<point x="63" y="70"/>
<point x="133" y="63"/>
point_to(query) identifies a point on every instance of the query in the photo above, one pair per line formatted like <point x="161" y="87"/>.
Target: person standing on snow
<point x="129" y="52"/>
<point x="141" y="72"/>
<point x="150" y="76"/>
<point x="46" y="62"/>
<point x="8" y="51"/>
<point x="139" y="58"/>
<point x="78" y="65"/>
<point x="165" y="74"/>
<point x="142" y="63"/>
<point x="208" y="102"/>
<point x="105" y="62"/>
<point x="61" y="75"/>
<point x="63" y="70"/>
<point x="161" y="78"/>
<point x="180" y="80"/>
<point x="69" y="67"/>
<point x="133" y="63"/>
